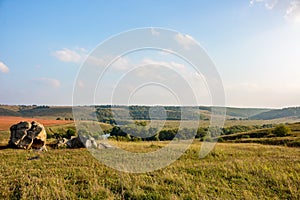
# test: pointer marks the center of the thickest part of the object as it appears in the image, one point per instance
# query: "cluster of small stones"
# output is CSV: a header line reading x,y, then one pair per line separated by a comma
x,y
81,142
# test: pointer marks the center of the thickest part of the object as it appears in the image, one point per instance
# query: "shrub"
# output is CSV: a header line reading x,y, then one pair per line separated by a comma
x,y
245,136
70,133
167,134
141,123
201,132
281,130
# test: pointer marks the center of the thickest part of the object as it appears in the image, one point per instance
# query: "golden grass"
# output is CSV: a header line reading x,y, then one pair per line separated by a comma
x,y
231,171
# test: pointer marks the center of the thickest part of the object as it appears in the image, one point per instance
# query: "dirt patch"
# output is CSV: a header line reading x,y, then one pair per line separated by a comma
x,y
7,121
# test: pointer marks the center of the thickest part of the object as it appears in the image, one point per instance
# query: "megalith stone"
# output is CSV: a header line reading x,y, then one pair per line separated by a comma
x,y
26,135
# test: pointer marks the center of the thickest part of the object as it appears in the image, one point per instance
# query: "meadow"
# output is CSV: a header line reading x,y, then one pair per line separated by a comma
x,y
231,171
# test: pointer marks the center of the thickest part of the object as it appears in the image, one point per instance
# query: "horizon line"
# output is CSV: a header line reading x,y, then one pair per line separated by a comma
x,y
226,106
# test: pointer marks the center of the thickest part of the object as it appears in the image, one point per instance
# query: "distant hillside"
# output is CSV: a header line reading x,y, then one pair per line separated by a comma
x,y
237,112
36,111
8,112
47,111
245,112
107,112
287,135
278,113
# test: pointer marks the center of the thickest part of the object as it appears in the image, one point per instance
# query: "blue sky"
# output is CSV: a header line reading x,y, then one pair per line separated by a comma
x,y
254,44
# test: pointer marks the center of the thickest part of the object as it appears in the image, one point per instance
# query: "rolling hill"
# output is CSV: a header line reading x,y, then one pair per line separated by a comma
x,y
105,112
8,112
267,136
278,113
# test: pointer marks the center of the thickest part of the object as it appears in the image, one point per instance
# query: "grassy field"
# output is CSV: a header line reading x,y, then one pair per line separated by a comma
x,y
266,136
231,171
169,124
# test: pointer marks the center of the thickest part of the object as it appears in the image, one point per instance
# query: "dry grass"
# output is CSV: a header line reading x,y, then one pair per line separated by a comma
x,y
231,171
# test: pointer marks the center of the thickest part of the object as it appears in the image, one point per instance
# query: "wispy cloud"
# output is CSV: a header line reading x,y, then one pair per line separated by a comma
x,y
68,55
269,4
291,8
122,64
170,64
3,68
49,82
119,63
154,32
293,12
185,40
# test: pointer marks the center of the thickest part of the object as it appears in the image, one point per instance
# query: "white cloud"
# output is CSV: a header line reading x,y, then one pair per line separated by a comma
x,y
293,12
93,60
185,40
121,64
154,32
3,68
291,8
49,82
269,4
180,68
253,1
67,55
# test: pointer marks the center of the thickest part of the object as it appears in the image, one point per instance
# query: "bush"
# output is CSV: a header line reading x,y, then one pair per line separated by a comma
x,y
70,133
245,136
201,132
167,134
281,131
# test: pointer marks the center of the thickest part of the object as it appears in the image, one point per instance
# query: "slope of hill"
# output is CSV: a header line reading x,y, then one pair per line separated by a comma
x,y
278,113
237,112
107,112
268,136
8,112
36,111
245,112
47,111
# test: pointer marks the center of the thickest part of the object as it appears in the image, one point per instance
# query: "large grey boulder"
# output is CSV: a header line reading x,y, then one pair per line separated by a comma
x,y
26,135
75,142
81,142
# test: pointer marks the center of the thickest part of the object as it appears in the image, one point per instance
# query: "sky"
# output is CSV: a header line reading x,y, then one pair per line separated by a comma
x,y
255,46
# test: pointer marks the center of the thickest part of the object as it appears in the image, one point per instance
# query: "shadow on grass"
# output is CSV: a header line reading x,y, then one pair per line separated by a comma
x,y
4,146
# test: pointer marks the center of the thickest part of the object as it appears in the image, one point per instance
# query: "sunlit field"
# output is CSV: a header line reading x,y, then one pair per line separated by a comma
x,y
243,171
